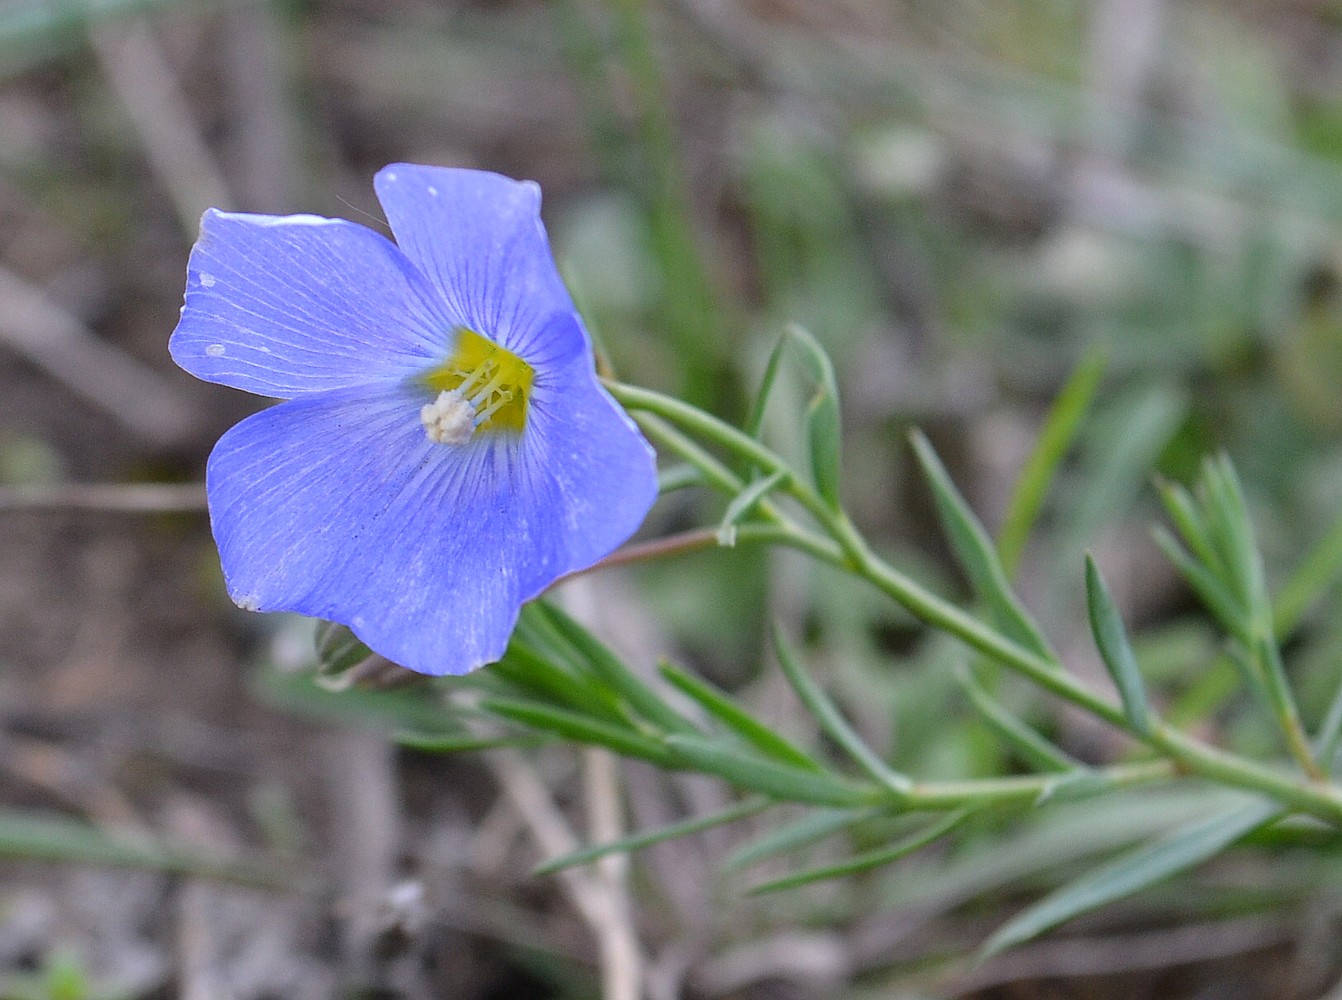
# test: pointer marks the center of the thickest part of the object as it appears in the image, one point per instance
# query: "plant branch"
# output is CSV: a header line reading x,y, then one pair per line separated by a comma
x,y
1188,754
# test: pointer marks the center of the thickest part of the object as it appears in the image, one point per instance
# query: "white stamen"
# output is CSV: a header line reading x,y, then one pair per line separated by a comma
x,y
489,388
474,377
500,401
449,419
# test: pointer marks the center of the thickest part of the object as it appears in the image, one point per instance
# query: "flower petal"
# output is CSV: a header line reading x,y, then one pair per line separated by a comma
x,y
602,471
478,237
337,506
286,305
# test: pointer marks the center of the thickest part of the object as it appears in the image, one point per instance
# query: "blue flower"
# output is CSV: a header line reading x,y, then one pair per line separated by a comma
x,y
444,451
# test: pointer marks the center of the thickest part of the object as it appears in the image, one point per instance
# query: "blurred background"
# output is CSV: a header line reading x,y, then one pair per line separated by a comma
x,y
963,200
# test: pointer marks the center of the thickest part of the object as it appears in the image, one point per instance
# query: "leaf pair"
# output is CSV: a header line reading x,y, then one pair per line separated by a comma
x,y
821,420
761,760
977,555
1140,868
580,690
1217,553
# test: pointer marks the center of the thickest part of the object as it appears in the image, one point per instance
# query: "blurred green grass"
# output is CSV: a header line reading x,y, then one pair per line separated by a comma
x,y
961,200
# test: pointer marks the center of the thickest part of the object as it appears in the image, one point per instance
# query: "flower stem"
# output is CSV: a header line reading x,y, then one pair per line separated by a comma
x,y
709,427
851,551
707,538
1027,789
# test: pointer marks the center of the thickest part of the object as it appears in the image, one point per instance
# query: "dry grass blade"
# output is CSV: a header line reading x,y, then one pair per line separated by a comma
x,y
106,497
54,340
145,82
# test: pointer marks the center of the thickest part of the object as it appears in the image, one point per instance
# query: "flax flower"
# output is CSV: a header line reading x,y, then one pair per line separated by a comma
x,y
443,452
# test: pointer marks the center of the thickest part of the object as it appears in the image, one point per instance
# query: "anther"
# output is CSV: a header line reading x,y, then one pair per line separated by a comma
x,y
449,419
487,389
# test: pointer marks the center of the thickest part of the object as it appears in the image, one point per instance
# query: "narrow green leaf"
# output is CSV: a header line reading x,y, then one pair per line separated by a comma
x,y
823,430
778,781
338,649
1320,570
1234,537
638,694
26,837
464,743
1037,847
1060,428
1032,747
754,424
833,722
738,720
744,502
537,632
1330,731
803,832
680,476
580,728
868,859
1218,599
637,841
1136,870
1278,687
975,552
1111,638
541,675
419,708
1183,511
823,436
1217,513
547,659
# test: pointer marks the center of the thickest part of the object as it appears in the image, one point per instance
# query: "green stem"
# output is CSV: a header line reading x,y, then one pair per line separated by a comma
x,y
1284,707
1318,798
714,472
778,529
696,421
707,538
1027,789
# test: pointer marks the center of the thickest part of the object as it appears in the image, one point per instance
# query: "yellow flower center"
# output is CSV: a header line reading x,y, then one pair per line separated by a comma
x,y
482,387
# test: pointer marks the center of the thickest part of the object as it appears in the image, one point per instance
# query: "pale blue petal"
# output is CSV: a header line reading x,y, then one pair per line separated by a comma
x,y
600,470
286,305
478,237
337,506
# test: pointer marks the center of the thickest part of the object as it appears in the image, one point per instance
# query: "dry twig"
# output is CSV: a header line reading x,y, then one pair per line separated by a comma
x,y
601,905
104,497
1106,956
54,340
134,64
